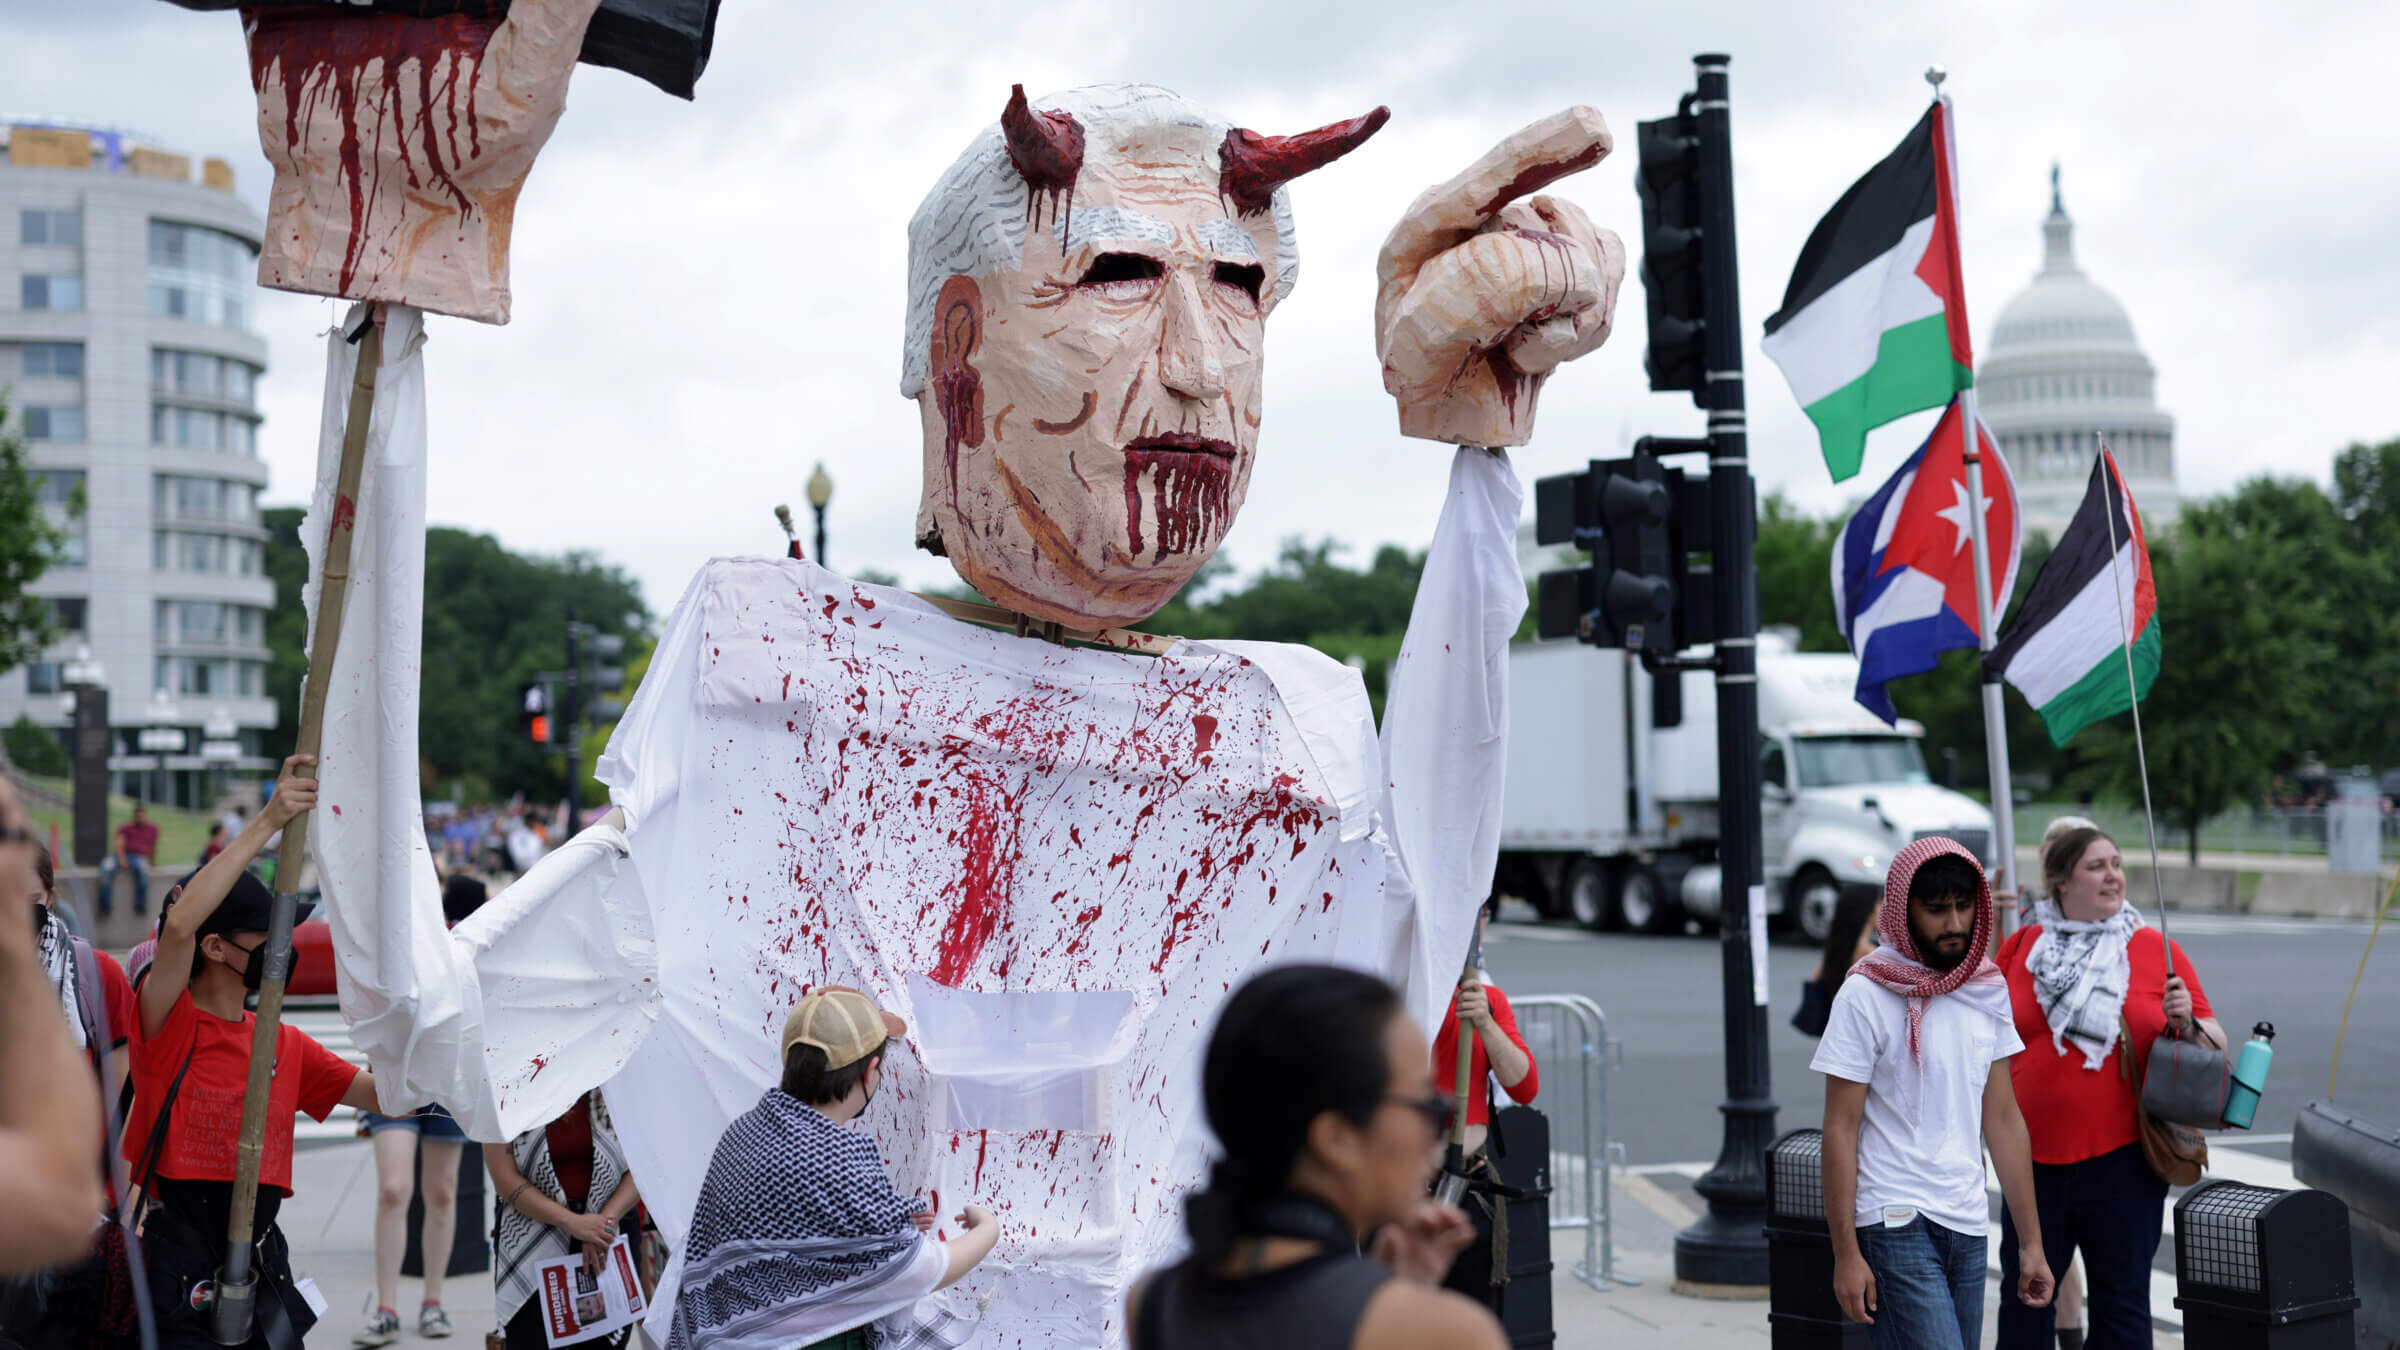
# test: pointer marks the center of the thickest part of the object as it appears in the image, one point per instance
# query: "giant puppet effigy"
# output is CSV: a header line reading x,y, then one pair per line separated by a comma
x,y
1051,857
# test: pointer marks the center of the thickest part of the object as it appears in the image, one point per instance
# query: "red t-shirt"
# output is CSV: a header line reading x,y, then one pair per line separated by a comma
x,y
570,1141
205,1122
117,992
138,840
1445,1058
2074,1112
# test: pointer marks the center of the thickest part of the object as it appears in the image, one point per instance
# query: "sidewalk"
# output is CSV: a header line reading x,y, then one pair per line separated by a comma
x,y
330,1224
1651,1314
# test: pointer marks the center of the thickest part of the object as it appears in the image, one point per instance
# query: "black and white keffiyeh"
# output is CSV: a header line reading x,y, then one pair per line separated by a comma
x,y
523,1243
58,960
2080,974
795,1211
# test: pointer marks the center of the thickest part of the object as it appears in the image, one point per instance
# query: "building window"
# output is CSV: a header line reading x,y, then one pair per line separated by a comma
x,y
248,673
68,613
184,497
202,375
43,677
53,423
53,358
199,273
50,292
49,227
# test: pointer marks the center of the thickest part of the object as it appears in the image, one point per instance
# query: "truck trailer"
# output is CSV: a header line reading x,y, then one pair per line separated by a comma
x,y
1611,818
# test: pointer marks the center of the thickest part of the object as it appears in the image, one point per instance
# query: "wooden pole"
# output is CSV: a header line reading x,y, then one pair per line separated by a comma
x,y
238,1289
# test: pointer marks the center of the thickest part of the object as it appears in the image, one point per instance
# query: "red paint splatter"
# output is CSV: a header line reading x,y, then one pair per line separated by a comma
x,y
983,1141
1191,486
1541,176
540,1062
323,57
1204,730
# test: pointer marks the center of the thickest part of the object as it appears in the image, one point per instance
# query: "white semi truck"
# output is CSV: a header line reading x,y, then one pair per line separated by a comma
x,y
1612,819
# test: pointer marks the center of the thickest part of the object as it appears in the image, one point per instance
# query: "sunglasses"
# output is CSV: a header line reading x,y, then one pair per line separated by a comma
x,y
1438,1111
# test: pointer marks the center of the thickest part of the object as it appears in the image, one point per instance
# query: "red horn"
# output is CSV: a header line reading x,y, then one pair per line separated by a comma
x,y
1255,165
1047,148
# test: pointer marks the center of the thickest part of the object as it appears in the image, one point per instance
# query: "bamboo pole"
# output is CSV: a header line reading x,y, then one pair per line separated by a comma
x,y
237,1291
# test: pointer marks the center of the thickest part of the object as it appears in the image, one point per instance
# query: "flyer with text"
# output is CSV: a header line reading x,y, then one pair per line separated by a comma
x,y
579,1303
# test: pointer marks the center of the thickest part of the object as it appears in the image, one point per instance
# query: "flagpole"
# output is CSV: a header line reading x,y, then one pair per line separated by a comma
x,y
1987,629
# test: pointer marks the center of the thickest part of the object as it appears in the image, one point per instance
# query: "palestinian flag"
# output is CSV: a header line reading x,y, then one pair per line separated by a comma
x,y
2065,652
1874,324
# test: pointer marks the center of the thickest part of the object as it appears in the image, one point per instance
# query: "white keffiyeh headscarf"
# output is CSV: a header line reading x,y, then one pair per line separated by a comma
x,y
2080,974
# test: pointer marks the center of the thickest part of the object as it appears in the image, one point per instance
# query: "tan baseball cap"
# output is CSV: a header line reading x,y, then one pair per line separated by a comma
x,y
842,1022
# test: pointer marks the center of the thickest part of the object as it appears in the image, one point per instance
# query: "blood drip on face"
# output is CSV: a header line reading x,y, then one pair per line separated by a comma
x,y
326,58
1191,489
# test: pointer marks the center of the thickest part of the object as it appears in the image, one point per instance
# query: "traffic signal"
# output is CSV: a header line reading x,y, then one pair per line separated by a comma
x,y
1621,511
534,705
1668,182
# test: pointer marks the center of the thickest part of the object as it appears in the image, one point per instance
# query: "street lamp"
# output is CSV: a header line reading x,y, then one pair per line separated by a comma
x,y
163,737
820,494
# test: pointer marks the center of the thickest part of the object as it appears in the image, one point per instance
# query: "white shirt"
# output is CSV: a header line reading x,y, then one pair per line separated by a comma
x,y
1920,1142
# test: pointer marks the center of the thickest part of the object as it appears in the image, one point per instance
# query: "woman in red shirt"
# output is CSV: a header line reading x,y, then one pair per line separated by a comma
x,y
1500,1054
2087,977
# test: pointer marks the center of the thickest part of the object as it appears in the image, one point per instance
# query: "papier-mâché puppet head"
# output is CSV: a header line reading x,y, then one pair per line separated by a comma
x,y
1089,286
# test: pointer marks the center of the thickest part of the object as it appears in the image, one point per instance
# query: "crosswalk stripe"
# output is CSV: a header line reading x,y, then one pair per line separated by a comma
x,y
327,1028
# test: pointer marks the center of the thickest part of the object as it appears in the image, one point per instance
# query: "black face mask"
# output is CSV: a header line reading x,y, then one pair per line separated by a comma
x,y
254,972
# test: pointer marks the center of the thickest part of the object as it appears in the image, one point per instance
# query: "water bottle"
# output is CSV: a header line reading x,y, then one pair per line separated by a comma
x,y
2250,1076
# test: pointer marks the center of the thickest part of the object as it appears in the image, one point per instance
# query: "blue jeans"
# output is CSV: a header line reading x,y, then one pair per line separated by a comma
x,y
134,863
2113,1209
1928,1286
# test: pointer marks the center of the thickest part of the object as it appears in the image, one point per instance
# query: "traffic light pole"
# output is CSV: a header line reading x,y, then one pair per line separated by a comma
x,y
1727,1247
570,725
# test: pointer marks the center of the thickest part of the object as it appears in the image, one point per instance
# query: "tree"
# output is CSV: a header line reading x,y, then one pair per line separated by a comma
x,y
29,543
34,749
2247,650
493,620
1795,573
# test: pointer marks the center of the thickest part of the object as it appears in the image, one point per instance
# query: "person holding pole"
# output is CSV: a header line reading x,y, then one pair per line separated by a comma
x,y
191,1062
1494,1049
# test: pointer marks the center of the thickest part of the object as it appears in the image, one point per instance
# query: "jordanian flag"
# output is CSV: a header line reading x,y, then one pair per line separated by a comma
x,y
1874,324
2093,599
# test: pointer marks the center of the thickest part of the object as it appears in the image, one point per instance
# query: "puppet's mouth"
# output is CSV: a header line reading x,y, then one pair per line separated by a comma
x,y
1177,443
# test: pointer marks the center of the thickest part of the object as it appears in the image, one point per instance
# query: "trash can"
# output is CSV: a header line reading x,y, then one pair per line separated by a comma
x,y
1802,1313
470,1248
2262,1269
2357,1161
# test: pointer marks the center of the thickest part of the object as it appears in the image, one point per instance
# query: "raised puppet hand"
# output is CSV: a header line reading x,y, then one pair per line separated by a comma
x,y
400,144
1480,296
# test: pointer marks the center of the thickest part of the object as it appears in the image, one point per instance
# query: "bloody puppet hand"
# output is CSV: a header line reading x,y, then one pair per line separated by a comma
x,y
1480,296
399,146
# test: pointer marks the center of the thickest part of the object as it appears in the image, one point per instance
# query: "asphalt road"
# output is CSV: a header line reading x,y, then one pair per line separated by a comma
x,y
1663,999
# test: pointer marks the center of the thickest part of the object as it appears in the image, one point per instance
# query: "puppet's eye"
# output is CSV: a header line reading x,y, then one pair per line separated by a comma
x,y
1248,278
1111,267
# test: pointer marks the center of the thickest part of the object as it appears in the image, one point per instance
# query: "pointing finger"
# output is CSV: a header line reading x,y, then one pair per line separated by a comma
x,y
1563,143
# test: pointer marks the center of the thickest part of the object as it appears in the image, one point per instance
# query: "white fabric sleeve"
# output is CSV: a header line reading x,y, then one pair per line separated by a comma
x,y
1854,1035
544,992
2008,1042
1445,721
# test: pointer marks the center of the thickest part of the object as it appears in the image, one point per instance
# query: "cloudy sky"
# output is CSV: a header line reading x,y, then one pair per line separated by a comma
x,y
709,295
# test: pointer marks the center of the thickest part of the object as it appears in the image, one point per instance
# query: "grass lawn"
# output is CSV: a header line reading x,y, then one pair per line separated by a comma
x,y
181,834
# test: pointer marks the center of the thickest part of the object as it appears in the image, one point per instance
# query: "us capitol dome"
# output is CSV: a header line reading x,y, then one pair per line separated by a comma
x,y
2063,369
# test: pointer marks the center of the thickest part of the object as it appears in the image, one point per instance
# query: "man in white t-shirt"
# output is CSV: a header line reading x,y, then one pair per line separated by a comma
x,y
1915,1058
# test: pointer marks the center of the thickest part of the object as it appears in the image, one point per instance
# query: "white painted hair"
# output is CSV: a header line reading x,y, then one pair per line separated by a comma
x,y
973,221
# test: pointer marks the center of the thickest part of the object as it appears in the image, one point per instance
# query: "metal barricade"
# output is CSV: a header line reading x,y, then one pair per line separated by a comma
x,y
1568,1037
